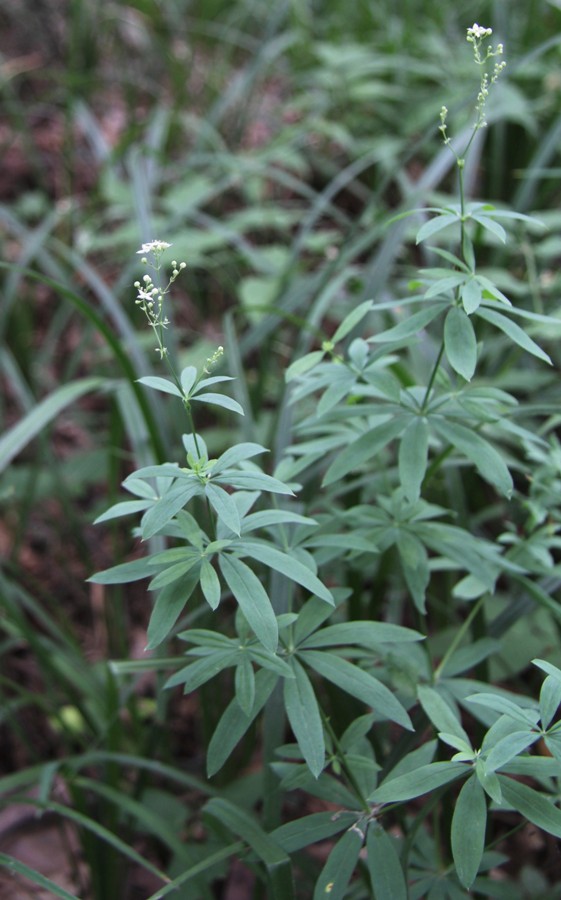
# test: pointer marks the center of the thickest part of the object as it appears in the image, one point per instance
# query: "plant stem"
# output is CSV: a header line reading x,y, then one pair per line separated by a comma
x,y
432,377
459,637
344,764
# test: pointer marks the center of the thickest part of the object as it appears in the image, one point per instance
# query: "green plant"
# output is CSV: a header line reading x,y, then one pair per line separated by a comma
x,y
387,577
393,453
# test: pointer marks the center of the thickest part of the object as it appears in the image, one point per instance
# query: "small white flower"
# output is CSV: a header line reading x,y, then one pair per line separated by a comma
x,y
477,31
144,295
153,247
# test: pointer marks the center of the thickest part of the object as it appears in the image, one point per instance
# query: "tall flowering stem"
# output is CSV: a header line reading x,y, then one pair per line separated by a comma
x,y
483,52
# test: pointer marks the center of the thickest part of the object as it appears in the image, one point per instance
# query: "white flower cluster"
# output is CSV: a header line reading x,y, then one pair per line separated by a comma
x,y
477,32
156,247
149,297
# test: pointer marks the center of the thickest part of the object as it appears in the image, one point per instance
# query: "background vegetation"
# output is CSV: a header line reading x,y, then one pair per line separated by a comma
x,y
274,145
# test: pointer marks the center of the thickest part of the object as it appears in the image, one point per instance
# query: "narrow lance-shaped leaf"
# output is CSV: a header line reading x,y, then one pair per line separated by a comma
x,y
460,343
304,717
166,507
468,831
220,400
210,583
418,782
537,808
487,460
252,599
234,455
440,713
169,604
415,565
310,829
15,866
364,448
410,326
245,684
274,858
514,332
16,438
160,384
384,867
224,506
359,684
124,573
413,450
202,670
335,876
287,565
351,321
234,722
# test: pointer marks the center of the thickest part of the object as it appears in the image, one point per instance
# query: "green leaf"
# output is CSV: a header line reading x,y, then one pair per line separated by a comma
x,y
304,364
506,707
535,807
413,451
287,565
160,384
410,326
242,824
304,717
168,607
245,684
15,866
460,342
514,332
364,448
441,713
415,565
174,572
271,661
252,599
220,400
384,867
253,481
434,225
351,321
310,829
550,699
471,295
509,747
267,517
16,438
234,455
489,781
165,508
549,668
188,378
468,831
210,583
418,782
486,459
364,633
234,722
125,572
224,506
335,876
202,670
359,684
123,509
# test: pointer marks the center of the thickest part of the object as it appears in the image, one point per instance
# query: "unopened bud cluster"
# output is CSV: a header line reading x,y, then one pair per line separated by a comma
x,y
212,360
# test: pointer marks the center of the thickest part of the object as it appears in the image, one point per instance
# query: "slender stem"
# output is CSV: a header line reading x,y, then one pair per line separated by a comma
x,y
459,637
432,377
344,764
